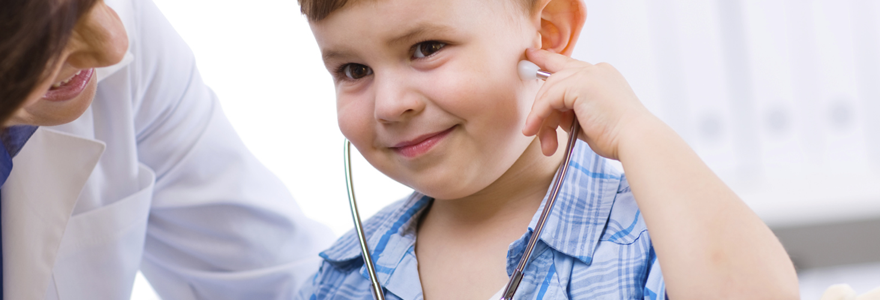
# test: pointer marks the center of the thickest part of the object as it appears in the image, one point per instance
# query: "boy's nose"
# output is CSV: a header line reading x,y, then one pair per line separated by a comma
x,y
395,100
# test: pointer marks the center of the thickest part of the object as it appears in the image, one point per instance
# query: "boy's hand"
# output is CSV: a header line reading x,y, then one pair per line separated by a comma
x,y
605,105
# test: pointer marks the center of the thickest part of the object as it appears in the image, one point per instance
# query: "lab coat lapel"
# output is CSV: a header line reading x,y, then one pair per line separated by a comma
x,y
37,200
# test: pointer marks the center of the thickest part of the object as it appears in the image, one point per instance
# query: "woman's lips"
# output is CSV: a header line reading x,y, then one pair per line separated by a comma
x,y
70,88
421,145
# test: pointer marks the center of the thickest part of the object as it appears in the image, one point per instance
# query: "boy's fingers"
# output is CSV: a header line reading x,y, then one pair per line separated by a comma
x,y
532,125
566,119
547,134
548,101
553,97
548,61
549,141
536,118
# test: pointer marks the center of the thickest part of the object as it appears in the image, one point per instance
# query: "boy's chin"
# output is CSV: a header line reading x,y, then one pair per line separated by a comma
x,y
444,195
440,191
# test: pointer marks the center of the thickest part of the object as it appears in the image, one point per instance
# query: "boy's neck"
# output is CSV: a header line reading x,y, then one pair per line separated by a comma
x,y
514,197
474,233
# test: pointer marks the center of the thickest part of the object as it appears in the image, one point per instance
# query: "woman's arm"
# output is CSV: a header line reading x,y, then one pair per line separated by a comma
x,y
709,243
221,225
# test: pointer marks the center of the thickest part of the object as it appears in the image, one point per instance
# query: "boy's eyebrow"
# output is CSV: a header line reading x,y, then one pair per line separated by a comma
x,y
330,54
424,29
421,30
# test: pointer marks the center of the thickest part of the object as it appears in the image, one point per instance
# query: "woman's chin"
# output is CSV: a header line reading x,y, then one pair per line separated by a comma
x,y
52,112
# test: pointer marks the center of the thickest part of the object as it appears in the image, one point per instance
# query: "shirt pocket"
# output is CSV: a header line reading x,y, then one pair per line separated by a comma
x,y
101,250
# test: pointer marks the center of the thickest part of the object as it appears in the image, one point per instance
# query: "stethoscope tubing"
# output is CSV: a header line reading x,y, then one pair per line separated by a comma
x,y
356,217
561,172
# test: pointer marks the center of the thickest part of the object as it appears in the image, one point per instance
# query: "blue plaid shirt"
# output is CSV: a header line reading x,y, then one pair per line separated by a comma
x,y
594,246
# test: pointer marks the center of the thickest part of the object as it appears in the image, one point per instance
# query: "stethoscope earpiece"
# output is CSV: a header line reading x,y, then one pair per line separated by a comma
x,y
530,71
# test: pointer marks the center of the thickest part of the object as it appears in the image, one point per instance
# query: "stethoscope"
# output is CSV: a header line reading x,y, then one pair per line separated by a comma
x,y
527,71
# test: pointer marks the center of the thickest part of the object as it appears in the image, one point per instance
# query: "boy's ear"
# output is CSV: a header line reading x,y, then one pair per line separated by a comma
x,y
561,24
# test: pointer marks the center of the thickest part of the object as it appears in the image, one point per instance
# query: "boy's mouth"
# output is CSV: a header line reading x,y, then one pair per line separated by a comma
x,y
421,144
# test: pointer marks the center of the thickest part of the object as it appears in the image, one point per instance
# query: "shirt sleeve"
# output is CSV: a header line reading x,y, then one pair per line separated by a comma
x,y
221,225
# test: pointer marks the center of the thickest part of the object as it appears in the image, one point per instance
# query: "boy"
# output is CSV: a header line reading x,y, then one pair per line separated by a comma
x,y
428,92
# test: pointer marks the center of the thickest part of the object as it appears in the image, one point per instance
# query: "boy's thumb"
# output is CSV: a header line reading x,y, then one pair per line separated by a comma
x,y
546,60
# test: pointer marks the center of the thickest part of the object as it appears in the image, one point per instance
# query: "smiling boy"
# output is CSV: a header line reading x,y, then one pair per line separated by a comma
x,y
428,92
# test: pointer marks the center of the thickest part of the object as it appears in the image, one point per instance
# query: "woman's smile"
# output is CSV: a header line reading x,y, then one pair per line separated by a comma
x,y
71,87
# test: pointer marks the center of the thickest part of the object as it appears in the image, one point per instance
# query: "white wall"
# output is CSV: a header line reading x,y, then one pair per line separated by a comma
x,y
263,63
779,97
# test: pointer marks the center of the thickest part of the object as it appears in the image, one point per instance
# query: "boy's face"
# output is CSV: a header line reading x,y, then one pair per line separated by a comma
x,y
428,91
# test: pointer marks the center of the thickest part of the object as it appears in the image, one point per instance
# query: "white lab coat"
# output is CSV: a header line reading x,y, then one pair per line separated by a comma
x,y
151,177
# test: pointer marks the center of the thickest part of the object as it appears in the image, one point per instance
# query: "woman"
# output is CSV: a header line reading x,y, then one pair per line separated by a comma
x,y
118,158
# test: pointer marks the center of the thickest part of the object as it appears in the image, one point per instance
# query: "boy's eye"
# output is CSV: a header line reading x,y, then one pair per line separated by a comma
x,y
356,71
425,49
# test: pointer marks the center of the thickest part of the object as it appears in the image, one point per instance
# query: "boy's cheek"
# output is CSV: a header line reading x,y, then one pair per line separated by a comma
x,y
354,122
459,93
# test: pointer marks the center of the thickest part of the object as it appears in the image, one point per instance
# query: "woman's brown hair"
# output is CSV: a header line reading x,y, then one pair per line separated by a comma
x,y
33,33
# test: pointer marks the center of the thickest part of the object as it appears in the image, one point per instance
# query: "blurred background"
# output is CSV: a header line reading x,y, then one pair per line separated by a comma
x,y
780,97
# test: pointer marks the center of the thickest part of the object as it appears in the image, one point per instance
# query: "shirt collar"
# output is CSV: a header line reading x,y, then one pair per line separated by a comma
x,y
582,208
390,235
12,139
574,227
396,220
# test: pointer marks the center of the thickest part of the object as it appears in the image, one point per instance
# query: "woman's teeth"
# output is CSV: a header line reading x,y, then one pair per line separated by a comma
x,y
59,84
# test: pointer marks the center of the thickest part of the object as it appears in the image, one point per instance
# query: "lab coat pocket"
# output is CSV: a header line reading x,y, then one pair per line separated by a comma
x,y
101,249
